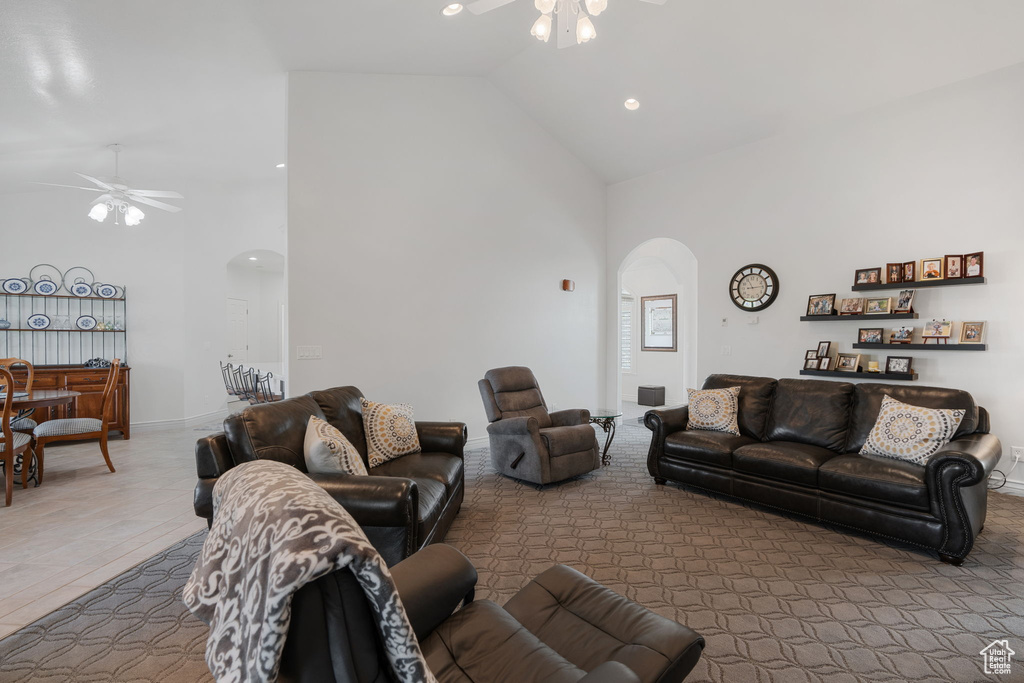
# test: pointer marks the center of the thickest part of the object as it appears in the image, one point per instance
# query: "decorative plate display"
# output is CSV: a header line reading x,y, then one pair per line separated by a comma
x,y
14,286
81,289
106,291
86,322
38,321
45,287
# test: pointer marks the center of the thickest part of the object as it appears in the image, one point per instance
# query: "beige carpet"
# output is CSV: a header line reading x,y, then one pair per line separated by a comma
x,y
778,599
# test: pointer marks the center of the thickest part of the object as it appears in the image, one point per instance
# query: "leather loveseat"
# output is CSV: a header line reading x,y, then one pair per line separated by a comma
x,y
798,451
404,504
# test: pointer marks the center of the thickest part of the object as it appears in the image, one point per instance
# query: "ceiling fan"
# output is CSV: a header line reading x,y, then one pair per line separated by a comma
x,y
574,24
119,198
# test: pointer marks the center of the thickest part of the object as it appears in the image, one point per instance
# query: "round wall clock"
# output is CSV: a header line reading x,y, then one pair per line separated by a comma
x,y
754,287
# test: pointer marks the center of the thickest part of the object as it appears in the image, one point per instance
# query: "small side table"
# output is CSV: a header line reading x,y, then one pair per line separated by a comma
x,y
605,419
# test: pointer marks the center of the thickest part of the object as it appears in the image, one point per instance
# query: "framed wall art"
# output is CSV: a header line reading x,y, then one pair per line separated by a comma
x,y
658,328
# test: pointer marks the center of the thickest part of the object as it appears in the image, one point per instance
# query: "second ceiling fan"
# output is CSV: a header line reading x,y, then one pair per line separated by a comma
x,y
574,24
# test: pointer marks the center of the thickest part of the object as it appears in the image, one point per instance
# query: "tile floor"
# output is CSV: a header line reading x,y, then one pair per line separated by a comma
x,y
84,525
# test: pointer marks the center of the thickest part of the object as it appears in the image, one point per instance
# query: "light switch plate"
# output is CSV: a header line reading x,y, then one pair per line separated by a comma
x,y
309,352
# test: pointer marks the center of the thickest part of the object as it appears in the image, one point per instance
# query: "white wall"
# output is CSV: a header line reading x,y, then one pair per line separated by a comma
x,y
663,368
430,225
938,174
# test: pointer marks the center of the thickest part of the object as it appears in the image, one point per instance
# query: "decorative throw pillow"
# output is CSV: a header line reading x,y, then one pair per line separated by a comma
x,y
714,410
328,450
910,433
390,431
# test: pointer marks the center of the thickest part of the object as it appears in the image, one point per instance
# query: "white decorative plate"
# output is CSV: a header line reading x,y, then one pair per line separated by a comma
x,y
45,287
81,289
86,322
38,321
14,286
106,291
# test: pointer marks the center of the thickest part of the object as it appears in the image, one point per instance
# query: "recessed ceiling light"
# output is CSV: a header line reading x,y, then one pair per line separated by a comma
x,y
632,104
279,166
452,9
252,258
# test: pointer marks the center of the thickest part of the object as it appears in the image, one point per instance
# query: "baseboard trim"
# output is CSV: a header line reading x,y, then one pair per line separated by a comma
x,y
193,421
1014,488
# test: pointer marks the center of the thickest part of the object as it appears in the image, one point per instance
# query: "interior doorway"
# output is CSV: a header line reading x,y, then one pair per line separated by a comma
x,y
256,311
238,330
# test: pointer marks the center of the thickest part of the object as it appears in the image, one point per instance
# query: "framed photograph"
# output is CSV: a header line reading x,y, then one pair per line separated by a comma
x,y
851,307
894,272
870,335
954,267
847,362
910,271
821,304
931,269
898,364
658,323
867,276
879,306
811,364
972,333
901,335
825,363
823,349
937,329
905,301
811,354
974,264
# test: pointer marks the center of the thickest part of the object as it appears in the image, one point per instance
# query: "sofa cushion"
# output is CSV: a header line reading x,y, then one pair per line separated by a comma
x,y
571,439
517,394
712,448
390,431
811,411
785,460
342,409
328,450
754,402
881,479
714,410
271,430
443,468
867,404
911,433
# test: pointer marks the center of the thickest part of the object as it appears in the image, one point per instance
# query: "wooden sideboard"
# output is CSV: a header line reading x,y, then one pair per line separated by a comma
x,y
89,382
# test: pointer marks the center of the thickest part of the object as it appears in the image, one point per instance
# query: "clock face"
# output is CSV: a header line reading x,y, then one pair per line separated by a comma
x,y
754,287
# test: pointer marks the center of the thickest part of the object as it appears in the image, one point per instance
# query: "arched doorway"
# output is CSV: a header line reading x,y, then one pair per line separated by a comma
x,y
255,311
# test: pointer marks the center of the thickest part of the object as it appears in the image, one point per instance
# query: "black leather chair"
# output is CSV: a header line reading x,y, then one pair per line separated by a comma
x,y
561,628
528,442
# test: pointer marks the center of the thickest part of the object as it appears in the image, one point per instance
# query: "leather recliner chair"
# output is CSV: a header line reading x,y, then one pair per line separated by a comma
x,y
528,442
561,628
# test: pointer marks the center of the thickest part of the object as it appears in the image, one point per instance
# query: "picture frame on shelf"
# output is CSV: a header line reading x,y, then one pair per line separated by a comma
x,y
821,304
878,306
867,276
972,332
894,273
899,365
910,271
931,269
658,329
811,354
825,363
810,364
937,329
954,266
823,349
904,301
870,335
974,264
901,335
851,307
847,362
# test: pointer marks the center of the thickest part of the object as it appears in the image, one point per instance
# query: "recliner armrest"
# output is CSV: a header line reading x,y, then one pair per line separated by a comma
x,y
443,437
373,501
569,418
432,583
515,426
611,672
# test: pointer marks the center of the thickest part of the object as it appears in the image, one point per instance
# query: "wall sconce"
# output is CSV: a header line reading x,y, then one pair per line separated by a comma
x,y
568,285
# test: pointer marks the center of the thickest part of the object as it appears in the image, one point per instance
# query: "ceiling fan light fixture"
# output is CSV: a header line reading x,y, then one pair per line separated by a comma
x,y
133,215
595,7
585,30
544,6
452,9
542,28
98,212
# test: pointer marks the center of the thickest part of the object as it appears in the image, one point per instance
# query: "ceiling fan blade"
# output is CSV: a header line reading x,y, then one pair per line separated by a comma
x,y
566,29
154,193
654,2
73,187
481,6
99,182
159,205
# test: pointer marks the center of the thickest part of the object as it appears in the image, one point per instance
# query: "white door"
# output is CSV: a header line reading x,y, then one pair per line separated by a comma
x,y
238,330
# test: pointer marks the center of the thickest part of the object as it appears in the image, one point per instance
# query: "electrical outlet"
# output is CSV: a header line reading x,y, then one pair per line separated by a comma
x,y
1018,453
726,350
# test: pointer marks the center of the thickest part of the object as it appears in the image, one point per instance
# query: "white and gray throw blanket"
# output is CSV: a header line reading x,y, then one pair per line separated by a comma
x,y
274,531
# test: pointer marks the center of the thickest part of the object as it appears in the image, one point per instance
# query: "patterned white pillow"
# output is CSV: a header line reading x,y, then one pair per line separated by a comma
x,y
714,410
910,433
390,431
327,450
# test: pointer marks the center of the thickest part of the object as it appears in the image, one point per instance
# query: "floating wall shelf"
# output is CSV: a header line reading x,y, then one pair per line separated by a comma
x,y
922,283
923,347
840,318
897,376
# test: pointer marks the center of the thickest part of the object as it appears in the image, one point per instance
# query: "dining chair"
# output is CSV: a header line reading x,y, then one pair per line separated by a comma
x,y
225,373
22,422
81,428
12,443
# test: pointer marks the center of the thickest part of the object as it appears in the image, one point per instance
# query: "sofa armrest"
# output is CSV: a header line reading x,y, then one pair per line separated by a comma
x,y
611,672
431,583
569,418
373,501
668,421
202,498
976,454
213,457
442,437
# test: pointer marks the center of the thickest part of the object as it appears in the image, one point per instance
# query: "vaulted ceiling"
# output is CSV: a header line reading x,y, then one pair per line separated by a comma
x,y
197,89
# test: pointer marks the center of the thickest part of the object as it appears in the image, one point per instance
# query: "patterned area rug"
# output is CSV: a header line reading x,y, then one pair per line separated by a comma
x,y
779,599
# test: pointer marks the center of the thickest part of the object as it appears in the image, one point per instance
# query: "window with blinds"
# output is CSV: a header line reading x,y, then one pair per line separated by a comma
x,y
626,332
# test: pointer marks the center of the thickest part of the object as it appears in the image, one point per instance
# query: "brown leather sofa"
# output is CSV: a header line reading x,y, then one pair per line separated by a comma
x,y
404,504
798,451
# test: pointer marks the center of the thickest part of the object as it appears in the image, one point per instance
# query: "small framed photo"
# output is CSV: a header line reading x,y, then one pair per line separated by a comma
x,y
811,364
899,365
825,363
901,335
847,362
937,329
974,264
931,269
972,333
954,267
905,301
870,335
910,271
894,272
851,307
812,354
821,304
823,349
868,276
879,306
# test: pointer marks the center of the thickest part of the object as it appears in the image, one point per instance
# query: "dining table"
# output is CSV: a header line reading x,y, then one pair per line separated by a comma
x,y
61,399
